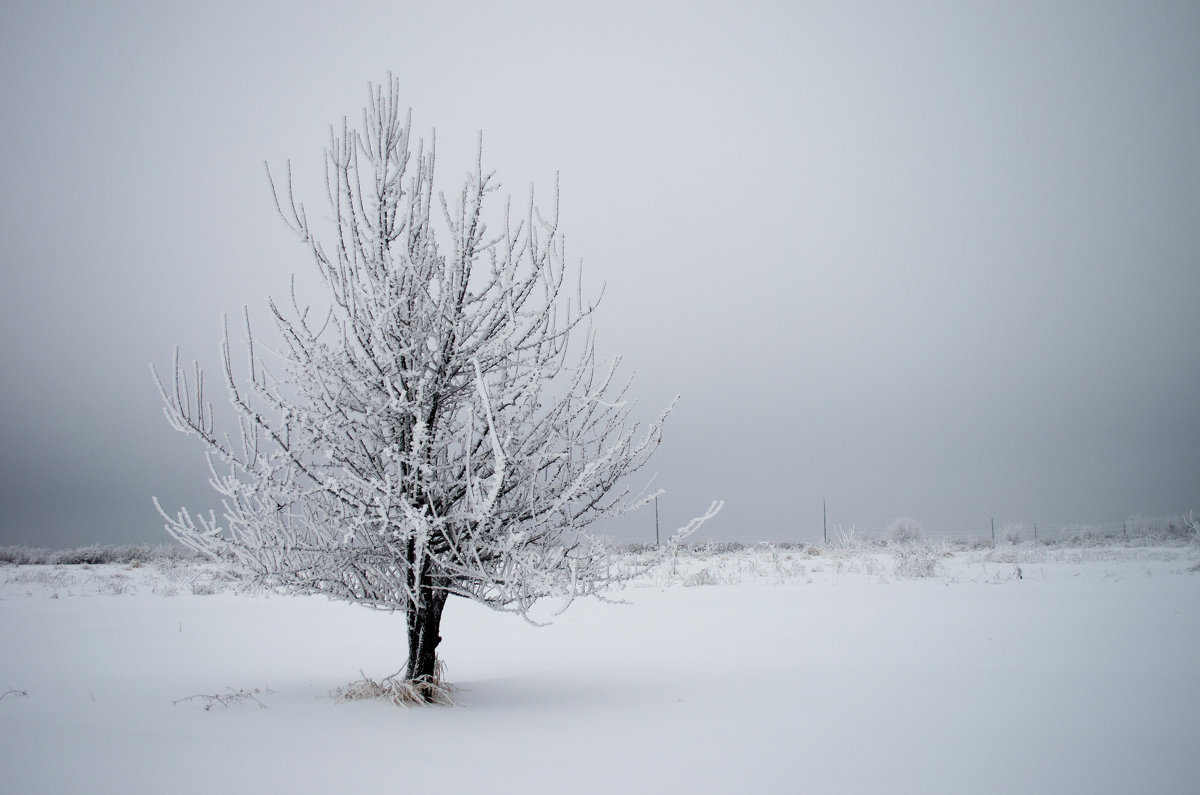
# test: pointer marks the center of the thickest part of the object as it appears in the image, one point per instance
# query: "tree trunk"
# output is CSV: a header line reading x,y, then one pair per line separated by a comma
x,y
424,623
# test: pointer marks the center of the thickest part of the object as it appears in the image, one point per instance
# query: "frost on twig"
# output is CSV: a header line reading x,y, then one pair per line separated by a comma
x,y
684,533
229,699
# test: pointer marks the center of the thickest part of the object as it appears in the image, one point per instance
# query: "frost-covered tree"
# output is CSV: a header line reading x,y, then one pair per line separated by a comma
x,y
445,428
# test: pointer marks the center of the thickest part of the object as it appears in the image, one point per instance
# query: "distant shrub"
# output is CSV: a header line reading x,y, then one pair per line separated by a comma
x,y
1080,533
1011,532
82,556
975,543
904,530
20,556
1164,528
718,547
97,555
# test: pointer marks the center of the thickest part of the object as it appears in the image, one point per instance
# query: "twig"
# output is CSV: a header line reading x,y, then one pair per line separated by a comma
x,y
228,699
12,692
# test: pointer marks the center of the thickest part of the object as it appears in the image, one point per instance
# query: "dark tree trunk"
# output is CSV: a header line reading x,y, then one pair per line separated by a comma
x,y
424,623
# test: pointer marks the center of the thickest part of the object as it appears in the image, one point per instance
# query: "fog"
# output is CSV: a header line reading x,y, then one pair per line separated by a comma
x,y
938,260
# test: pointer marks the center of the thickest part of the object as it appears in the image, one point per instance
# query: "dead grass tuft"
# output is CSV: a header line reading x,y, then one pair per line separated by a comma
x,y
422,692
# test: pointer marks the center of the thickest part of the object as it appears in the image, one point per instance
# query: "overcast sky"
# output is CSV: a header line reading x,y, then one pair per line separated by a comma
x,y
938,260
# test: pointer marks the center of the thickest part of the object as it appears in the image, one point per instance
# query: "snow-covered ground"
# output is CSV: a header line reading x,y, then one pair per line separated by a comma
x,y
1015,669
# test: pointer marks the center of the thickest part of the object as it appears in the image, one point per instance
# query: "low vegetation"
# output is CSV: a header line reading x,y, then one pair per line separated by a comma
x,y
895,555
124,554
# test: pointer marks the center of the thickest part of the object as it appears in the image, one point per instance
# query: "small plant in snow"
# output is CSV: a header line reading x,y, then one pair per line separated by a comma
x,y
904,530
703,577
846,539
682,534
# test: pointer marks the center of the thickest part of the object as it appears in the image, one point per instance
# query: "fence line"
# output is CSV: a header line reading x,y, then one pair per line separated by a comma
x,y
1002,532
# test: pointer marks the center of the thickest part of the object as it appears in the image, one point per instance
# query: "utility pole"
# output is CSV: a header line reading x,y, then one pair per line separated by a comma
x,y
656,520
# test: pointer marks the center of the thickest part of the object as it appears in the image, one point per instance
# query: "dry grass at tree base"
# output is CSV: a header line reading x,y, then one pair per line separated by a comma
x,y
435,691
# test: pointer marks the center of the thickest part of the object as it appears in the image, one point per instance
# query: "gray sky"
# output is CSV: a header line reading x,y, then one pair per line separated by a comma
x,y
927,259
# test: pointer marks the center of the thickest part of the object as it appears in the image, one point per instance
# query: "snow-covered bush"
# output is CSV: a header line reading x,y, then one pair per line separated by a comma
x,y
20,556
904,529
93,555
720,547
915,561
705,576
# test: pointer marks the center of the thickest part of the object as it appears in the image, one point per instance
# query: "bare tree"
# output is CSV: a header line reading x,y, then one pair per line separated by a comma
x,y
445,428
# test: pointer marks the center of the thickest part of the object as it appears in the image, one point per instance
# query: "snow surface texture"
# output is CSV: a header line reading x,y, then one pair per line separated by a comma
x,y
850,668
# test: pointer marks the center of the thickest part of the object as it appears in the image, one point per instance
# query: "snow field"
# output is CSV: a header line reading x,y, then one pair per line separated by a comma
x,y
779,671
